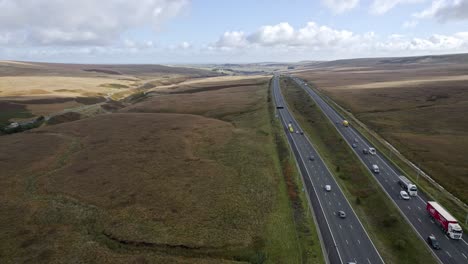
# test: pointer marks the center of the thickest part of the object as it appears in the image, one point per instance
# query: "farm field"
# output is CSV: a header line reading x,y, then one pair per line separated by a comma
x,y
418,106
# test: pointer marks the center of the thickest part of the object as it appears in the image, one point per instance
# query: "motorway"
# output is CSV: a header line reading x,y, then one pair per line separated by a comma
x,y
344,240
414,210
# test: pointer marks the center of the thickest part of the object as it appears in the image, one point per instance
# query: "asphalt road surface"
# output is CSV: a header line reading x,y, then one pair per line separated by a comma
x,y
414,210
344,239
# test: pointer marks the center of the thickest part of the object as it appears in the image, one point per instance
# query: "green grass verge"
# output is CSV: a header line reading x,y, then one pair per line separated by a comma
x,y
456,208
290,235
378,214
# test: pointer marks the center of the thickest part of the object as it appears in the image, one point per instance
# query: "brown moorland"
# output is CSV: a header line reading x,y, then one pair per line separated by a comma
x,y
43,88
200,183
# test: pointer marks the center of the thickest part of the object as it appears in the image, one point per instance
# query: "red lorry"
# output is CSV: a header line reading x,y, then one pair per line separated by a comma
x,y
445,220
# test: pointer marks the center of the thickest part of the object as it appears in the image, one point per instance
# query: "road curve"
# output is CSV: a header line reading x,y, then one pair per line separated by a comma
x,y
345,240
413,210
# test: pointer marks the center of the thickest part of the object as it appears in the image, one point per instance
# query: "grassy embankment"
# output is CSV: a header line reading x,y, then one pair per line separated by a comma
x,y
454,206
379,215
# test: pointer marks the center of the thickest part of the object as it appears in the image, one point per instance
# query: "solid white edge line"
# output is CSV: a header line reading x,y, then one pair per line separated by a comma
x,y
333,178
385,191
324,247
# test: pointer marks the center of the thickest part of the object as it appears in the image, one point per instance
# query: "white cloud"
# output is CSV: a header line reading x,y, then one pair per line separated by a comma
x,y
185,45
380,7
273,35
283,34
340,6
445,10
85,22
232,39
314,39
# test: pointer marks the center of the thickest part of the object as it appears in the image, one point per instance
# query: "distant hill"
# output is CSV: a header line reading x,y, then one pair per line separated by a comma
x,y
16,68
396,61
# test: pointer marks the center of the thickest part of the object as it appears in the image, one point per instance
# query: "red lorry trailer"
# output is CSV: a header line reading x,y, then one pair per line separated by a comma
x,y
445,220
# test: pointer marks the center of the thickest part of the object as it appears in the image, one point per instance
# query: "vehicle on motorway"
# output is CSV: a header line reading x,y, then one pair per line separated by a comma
x,y
327,188
408,186
297,131
345,123
354,145
375,168
311,158
341,214
372,151
433,242
356,140
302,132
444,219
404,195
365,151
290,127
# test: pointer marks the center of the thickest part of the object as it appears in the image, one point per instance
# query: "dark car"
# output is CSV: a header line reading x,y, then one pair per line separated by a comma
x,y
365,151
354,145
302,132
311,158
433,242
341,214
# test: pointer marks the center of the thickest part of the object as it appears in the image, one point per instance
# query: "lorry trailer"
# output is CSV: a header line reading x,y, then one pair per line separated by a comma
x,y
444,219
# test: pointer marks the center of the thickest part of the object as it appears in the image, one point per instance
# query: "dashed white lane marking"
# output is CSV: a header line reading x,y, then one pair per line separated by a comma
x,y
329,203
464,241
419,220
419,208
464,256
448,253
351,226
369,261
446,237
347,242
359,241
409,207
432,222
340,226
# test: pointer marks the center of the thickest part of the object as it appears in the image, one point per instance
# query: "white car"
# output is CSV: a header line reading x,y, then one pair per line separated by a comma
x,y
327,188
404,195
372,151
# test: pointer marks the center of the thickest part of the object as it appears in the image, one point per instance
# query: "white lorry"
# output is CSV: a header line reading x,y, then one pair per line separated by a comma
x,y
408,186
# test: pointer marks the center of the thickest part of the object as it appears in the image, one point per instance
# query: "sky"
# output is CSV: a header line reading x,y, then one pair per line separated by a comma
x,y
240,31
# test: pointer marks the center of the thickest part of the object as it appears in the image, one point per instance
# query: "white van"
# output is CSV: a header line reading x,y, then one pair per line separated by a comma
x,y
375,168
372,151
